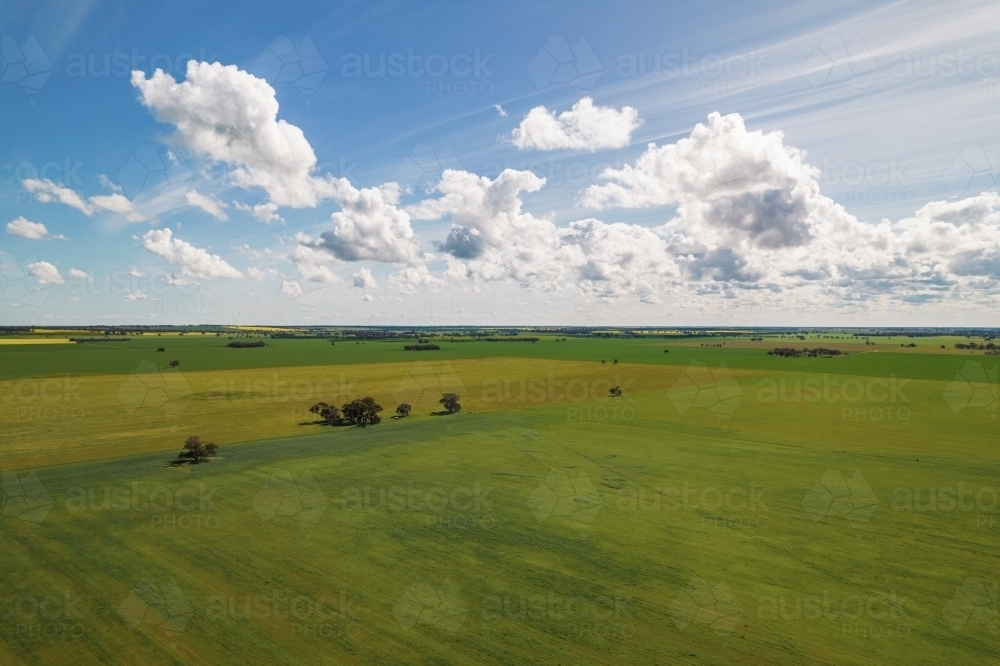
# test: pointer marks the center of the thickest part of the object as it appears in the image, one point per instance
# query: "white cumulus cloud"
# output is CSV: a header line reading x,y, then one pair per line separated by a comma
x,y
193,262
20,226
411,278
48,192
207,203
364,279
370,227
583,127
229,115
265,212
45,272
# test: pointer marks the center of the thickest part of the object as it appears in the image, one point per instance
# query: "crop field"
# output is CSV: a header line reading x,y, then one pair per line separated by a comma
x,y
727,506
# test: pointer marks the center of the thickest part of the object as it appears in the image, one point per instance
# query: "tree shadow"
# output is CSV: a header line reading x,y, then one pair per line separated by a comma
x,y
183,461
444,413
325,423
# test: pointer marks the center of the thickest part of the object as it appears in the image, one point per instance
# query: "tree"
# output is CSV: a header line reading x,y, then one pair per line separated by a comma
x,y
615,391
174,364
362,412
403,410
197,451
450,402
160,349
615,363
328,413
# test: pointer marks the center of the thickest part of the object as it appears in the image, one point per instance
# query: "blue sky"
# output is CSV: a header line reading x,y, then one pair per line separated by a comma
x,y
874,205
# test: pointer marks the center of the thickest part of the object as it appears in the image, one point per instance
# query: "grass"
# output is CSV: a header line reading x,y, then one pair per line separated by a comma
x,y
605,531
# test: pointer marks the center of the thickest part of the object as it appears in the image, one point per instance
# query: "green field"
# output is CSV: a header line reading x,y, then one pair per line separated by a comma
x,y
730,507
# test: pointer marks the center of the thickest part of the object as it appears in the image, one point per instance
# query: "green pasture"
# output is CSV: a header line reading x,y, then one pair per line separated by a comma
x,y
730,507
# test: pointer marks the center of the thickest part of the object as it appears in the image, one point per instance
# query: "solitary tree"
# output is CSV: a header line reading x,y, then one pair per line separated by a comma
x,y
615,391
174,364
450,402
362,412
197,451
328,413
160,349
403,410
615,363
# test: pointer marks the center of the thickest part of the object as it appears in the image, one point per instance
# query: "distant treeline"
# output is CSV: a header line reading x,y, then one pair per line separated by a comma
x,y
82,340
239,344
421,347
297,336
378,335
792,352
511,339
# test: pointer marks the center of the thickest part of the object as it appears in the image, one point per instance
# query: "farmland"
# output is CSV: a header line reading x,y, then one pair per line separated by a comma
x,y
728,507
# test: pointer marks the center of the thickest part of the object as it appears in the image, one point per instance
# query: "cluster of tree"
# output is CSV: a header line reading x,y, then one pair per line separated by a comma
x,y
912,344
972,345
364,411
174,364
240,344
450,402
80,341
196,451
300,336
615,391
792,352
421,347
511,339
360,412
